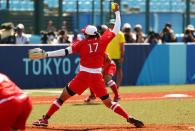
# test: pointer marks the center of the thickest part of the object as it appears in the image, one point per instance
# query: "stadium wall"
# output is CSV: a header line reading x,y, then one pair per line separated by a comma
x,y
143,65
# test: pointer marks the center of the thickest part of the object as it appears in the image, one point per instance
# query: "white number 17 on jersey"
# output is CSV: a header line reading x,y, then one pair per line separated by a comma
x,y
93,47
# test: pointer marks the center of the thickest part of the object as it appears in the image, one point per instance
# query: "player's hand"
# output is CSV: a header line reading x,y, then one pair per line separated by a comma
x,y
36,53
115,7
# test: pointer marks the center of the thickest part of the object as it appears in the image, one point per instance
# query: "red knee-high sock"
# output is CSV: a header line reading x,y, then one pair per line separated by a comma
x,y
113,86
54,107
119,110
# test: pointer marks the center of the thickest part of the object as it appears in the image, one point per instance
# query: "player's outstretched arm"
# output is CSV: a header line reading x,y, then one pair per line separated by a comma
x,y
61,52
115,8
38,53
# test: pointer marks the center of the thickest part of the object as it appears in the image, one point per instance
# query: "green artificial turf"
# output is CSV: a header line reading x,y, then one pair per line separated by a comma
x,y
178,111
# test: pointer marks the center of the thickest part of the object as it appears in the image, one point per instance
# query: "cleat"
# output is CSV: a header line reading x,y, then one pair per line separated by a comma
x,y
135,122
89,99
117,99
41,122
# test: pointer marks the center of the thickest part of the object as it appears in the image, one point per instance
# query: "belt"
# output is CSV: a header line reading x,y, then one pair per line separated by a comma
x,y
91,70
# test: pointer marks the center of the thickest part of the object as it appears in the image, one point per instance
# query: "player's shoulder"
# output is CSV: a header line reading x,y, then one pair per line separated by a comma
x,y
108,34
80,42
108,31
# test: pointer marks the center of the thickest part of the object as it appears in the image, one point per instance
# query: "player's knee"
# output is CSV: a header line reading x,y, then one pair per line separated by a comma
x,y
104,97
106,100
70,92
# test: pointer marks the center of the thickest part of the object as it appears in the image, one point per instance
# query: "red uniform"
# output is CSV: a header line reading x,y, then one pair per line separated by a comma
x,y
91,53
109,68
15,106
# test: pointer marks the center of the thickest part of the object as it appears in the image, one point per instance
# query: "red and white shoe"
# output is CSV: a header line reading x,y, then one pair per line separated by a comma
x,y
89,99
41,122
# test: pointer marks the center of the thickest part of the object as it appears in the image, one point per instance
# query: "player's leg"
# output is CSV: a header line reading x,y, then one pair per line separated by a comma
x,y
91,97
100,90
55,106
117,108
75,86
111,83
65,95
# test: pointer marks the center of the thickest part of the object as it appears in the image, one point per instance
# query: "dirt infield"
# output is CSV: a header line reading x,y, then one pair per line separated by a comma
x,y
124,97
125,127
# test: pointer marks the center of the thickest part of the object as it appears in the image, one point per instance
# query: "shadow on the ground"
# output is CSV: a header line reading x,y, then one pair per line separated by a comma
x,y
84,104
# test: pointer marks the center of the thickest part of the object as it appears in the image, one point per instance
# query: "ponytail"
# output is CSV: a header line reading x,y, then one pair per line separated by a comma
x,y
97,35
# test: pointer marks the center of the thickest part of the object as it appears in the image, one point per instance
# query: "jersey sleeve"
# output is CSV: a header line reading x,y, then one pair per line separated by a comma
x,y
76,47
107,37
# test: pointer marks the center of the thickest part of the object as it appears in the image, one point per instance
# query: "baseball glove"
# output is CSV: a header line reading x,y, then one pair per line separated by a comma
x,y
36,53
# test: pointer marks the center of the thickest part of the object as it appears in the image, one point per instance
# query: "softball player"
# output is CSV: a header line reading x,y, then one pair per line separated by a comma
x,y
15,106
91,51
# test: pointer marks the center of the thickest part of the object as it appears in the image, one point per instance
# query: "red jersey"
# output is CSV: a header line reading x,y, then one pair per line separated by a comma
x,y
7,87
92,51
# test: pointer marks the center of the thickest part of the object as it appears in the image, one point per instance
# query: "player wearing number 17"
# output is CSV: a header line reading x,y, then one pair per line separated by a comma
x,y
92,53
